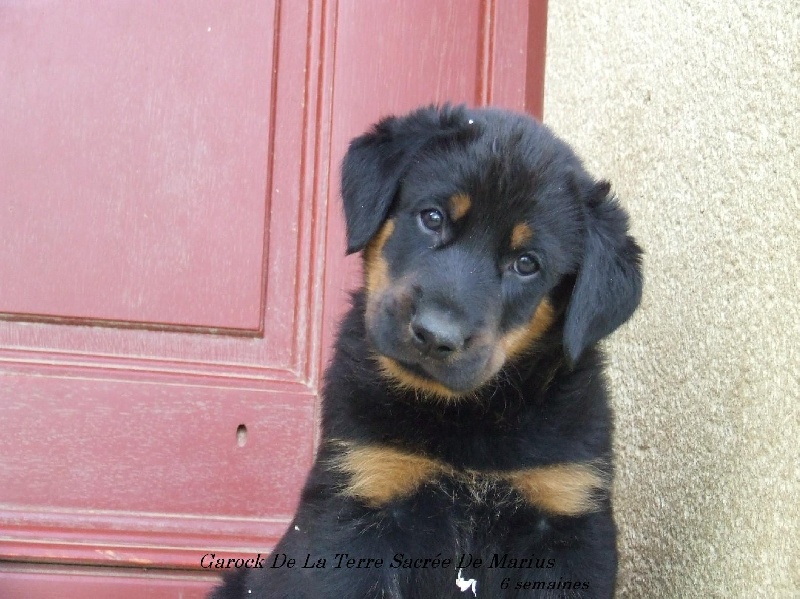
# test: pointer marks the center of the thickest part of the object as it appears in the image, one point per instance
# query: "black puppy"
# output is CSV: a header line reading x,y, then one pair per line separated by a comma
x,y
466,429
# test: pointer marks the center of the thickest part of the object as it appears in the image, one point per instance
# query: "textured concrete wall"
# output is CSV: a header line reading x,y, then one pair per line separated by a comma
x,y
692,110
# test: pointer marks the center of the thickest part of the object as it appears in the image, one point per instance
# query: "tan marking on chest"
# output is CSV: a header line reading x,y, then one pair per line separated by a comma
x,y
561,489
377,475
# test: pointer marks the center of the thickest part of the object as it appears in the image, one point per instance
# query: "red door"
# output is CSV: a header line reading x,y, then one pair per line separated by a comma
x,y
171,259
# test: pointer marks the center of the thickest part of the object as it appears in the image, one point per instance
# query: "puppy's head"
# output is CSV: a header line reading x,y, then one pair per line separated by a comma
x,y
472,223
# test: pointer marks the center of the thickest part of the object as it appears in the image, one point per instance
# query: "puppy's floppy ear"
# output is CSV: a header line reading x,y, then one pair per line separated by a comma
x,y
609,283
376,162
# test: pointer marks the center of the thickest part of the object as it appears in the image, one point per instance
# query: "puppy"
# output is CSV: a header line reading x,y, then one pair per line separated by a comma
x,y
466,427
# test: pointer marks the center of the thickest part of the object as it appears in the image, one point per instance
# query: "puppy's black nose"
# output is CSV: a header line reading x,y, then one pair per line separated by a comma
x,y
436,335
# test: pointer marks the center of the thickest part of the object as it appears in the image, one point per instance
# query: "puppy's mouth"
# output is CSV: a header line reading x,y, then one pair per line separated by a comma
x,y
442,385
459,375
411,368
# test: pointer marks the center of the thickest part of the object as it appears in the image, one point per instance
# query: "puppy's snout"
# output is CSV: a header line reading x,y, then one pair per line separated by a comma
x,y
436,334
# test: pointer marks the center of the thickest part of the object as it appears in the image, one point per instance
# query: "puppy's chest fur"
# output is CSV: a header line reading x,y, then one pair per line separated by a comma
x,y
380,475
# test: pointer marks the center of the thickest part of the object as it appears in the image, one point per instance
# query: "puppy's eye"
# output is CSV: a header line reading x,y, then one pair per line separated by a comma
x,y
431,219
526,265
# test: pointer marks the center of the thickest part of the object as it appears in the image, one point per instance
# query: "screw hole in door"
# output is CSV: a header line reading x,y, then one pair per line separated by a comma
x,y
241,435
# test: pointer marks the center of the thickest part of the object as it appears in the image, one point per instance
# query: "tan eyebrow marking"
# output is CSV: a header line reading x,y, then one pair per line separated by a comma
x,y
459,205
520,235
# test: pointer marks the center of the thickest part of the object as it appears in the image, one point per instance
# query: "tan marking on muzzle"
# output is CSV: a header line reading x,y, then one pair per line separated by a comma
x,y
376,269
518,340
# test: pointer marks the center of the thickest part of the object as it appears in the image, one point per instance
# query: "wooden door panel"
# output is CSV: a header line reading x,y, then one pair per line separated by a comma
x,y
143,473
136,161
202,260
76,423
24,582
124,448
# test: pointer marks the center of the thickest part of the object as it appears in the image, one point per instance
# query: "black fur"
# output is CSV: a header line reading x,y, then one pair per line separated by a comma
x,y
547,404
